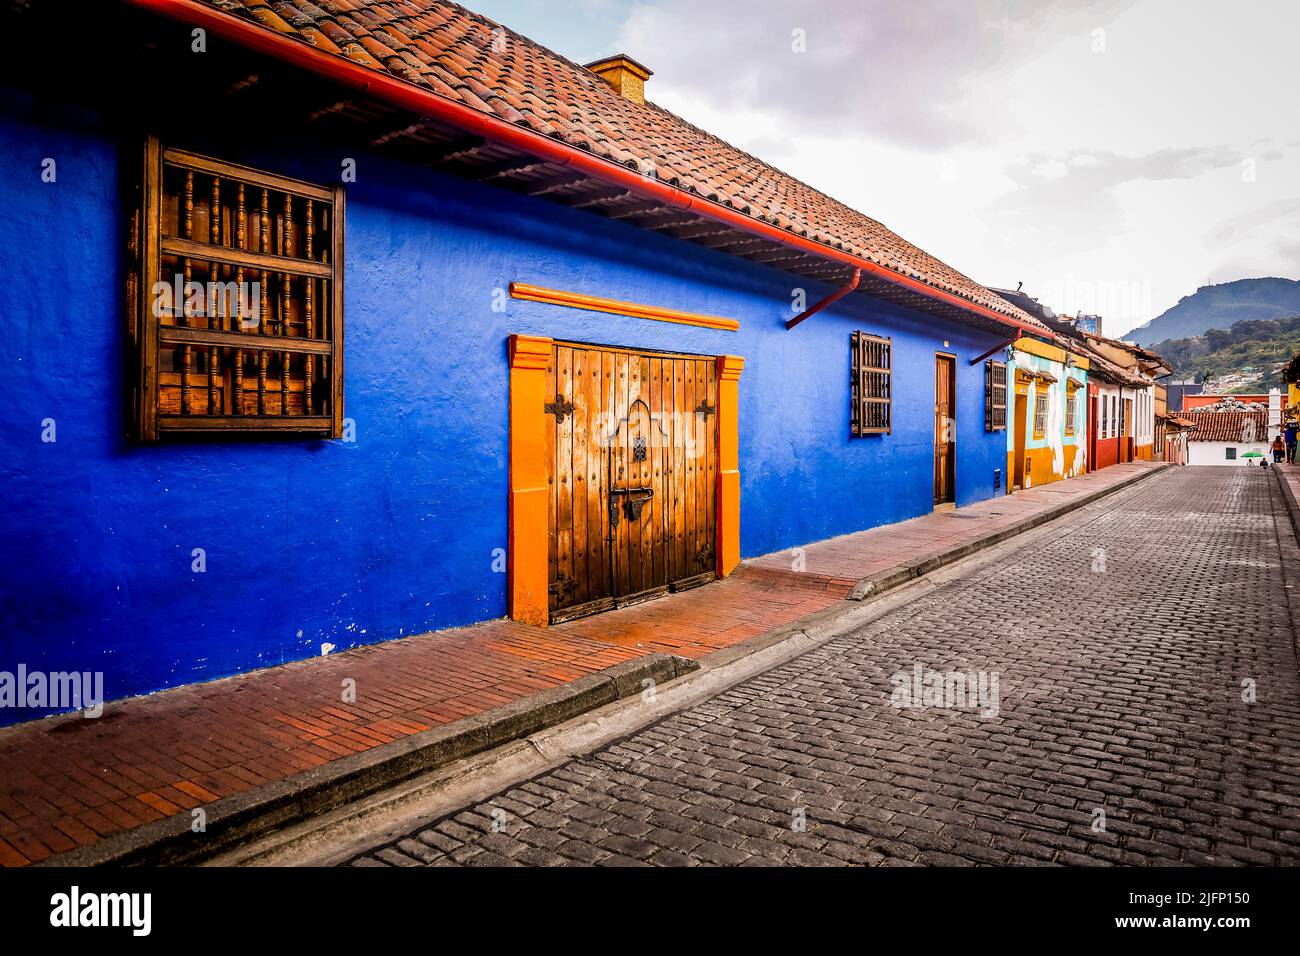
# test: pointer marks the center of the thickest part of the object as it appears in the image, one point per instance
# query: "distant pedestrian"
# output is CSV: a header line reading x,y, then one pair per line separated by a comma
x,y
1291,432
1279,450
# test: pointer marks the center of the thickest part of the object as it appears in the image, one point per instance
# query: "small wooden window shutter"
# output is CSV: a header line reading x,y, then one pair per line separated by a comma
x,y
1040,415
995,396
235,300
1071,405
870,384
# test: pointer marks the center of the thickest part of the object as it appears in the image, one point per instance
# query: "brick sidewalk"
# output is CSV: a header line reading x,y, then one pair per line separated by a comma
x,y
69,782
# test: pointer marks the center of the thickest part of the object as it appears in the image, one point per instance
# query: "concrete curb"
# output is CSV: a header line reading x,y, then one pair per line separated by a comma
x,y
1288,496
243,816
882,581
1289,553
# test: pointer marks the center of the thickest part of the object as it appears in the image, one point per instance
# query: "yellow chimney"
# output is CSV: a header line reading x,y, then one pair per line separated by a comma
x,y
625,74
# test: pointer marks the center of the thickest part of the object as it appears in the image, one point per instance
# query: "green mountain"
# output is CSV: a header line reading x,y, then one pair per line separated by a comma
x,y
1245,358
1221,307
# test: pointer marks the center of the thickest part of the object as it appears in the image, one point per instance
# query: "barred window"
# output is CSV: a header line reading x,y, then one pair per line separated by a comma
x,y
995,396
1071,409
1040,415
871,386
236,304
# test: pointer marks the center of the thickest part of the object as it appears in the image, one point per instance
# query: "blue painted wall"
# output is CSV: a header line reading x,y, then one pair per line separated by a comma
x,y
310,542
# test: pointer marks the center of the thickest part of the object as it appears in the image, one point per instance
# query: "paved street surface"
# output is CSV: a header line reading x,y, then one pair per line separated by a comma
x,y
1122,649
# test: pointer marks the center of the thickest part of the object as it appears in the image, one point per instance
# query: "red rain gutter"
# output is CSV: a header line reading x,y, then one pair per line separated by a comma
x,y
829,300
402,94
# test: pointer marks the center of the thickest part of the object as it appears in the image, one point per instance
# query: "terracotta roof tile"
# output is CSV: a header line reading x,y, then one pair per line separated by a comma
x,y
451,51
1239,426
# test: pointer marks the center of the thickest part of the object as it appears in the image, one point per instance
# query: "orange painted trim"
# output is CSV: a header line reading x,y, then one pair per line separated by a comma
x,y
529,530
592,303
727,532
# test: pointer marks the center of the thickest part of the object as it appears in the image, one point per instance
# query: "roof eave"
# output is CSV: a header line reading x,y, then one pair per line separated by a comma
x,y
398,92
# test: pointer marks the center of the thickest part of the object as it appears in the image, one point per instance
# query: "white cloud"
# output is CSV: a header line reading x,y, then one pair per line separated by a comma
x,y
994,134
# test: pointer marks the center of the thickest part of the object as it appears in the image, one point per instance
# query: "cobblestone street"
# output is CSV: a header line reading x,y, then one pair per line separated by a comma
x,y
1122,648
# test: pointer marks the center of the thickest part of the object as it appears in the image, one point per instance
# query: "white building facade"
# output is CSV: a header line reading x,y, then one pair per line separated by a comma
x,y
1234,434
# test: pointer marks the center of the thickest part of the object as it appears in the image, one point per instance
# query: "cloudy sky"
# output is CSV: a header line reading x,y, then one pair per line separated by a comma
x,y
1112,155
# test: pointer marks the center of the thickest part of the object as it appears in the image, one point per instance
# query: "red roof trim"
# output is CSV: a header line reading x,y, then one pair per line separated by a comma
x,y
408,96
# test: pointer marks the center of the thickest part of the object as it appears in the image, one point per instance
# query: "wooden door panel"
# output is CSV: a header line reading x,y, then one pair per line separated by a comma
x,y
689,485
561,466
710,472
618,475
943,437
583,423
704,490
678,492
652,532
608,406
622,421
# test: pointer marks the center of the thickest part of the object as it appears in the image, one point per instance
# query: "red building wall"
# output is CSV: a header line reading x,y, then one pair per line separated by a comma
x,y
1108,451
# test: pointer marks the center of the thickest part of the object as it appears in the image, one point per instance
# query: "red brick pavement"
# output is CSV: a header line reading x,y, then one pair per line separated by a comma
x,y
67,782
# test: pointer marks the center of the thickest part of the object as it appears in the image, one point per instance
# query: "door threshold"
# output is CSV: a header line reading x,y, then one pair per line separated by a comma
x,y
581,610
641,596
946,506
698,580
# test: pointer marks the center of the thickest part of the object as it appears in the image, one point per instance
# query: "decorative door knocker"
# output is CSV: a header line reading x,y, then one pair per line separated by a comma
x,y
630,501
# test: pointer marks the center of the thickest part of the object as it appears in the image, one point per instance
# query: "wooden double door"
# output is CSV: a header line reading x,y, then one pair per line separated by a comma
x,y
632,445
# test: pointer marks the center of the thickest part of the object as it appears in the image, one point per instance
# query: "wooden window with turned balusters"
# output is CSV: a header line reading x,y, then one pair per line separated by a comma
x,y
870,384
235,299
995,396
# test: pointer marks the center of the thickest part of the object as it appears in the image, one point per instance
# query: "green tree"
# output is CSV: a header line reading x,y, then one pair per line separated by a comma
x,y
1292,371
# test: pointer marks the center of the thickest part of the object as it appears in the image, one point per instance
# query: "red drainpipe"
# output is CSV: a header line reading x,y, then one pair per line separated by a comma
x,y
829,300
402,94
997,348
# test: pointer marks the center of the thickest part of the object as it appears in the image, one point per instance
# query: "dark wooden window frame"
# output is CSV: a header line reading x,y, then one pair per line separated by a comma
x,y
995,396
871,384
284,374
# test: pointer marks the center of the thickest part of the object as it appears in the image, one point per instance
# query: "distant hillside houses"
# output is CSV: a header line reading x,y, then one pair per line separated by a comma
x,y
1248,356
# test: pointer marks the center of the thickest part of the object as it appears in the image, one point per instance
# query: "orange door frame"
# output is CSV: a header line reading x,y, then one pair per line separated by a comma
x,y
529,519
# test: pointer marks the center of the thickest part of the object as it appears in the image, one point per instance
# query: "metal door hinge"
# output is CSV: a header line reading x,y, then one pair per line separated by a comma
x,y
560,408
562,586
